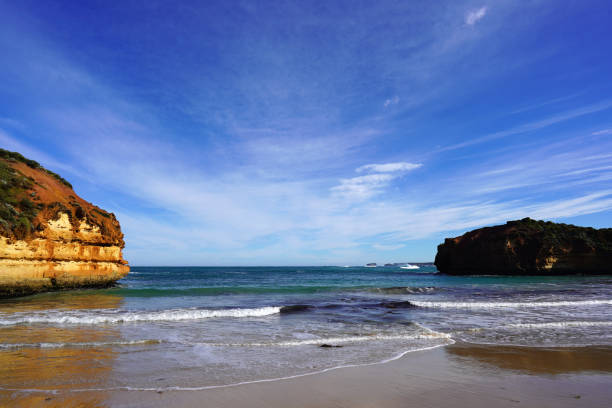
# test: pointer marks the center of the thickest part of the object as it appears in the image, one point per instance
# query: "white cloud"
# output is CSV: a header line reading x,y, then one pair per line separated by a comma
x,y
602,132
392,101
531,126
11,143
275,190
363,187
388,167
385,247
475,15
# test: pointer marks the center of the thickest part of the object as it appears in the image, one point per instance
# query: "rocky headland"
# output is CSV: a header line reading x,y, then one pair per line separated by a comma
x,y
527,247
50,238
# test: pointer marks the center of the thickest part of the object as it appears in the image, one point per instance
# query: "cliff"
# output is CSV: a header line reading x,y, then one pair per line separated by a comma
x,y
527,247
50,238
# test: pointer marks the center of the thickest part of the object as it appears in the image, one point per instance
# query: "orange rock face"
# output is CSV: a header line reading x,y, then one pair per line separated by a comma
x,y
49,237
527,247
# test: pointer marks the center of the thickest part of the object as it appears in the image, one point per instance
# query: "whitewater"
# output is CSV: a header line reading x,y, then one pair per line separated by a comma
x,y
199,327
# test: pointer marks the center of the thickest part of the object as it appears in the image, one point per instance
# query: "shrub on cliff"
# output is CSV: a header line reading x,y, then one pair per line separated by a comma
x,y
17,212
527,247
14,156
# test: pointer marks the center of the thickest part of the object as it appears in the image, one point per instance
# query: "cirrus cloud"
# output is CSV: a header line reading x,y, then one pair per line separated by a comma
x,y
381,175
475,15
388,167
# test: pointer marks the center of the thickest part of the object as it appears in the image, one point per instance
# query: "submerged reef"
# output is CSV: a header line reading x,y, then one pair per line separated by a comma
x,y
50,238
528,247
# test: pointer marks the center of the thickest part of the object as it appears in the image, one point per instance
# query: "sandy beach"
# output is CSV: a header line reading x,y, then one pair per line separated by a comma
x,y
460,375
305,204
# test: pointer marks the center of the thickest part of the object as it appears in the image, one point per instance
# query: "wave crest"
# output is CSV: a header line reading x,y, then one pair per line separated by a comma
x,y
402,290
10,346
493,305
340,340
559,325
128,317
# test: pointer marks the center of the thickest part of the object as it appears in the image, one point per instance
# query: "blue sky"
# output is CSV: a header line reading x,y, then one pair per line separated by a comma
x,y
297,132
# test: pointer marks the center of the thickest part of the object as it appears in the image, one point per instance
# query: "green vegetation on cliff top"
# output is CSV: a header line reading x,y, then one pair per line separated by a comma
x,y
14,156
17,210
23,211
555,234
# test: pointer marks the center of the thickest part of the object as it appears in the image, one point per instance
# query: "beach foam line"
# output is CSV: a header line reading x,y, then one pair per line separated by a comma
x,y
127,317
400,290
559,325
210,387
340,340
10,346
493,305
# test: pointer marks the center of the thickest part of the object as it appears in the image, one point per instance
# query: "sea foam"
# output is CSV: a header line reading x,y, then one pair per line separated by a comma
x,y
127,317
493,305
341,340
559,325
80,344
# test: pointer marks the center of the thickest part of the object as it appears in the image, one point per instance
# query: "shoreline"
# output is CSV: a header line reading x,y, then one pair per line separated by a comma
x,y
459,374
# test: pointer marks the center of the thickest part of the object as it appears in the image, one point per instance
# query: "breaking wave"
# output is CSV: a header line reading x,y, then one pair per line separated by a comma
x,y
493,305
10,346
558,325
341,340
401,290
128,317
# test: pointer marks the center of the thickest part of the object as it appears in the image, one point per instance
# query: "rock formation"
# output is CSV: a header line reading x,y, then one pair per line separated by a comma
x,y
527,247
49,237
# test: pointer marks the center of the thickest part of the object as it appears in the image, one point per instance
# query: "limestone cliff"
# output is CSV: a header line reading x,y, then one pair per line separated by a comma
x,y
49,237
527,247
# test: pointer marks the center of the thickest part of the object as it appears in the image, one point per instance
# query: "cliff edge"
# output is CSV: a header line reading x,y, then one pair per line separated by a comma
x,y
50,238
527,247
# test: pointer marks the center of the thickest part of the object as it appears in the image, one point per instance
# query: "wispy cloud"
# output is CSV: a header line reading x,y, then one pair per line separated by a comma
x,y
603,132
385,247
363,187
9,142
392,101
388,167
12,123
246,164
532,126
474,16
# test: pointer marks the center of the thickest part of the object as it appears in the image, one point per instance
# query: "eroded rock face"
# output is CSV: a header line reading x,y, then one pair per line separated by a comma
x,y
527,247
49,237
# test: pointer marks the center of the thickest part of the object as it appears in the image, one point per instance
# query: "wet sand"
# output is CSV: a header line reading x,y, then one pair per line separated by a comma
x,y
461,375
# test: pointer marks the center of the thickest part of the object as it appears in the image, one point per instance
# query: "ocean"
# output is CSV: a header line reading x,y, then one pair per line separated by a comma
x,y
174,328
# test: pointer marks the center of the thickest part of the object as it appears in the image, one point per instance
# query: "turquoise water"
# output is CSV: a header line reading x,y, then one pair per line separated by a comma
x,y
195,327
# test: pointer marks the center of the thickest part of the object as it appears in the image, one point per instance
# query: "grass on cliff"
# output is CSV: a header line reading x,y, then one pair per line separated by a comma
x,y
557,234
17,211
14,156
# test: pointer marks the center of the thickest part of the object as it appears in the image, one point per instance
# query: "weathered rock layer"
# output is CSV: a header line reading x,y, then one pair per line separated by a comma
x,y
527,247
49,237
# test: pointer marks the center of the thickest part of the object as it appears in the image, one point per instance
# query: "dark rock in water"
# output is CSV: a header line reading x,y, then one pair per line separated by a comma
x,y
325,345
397,305
528,247
295,308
